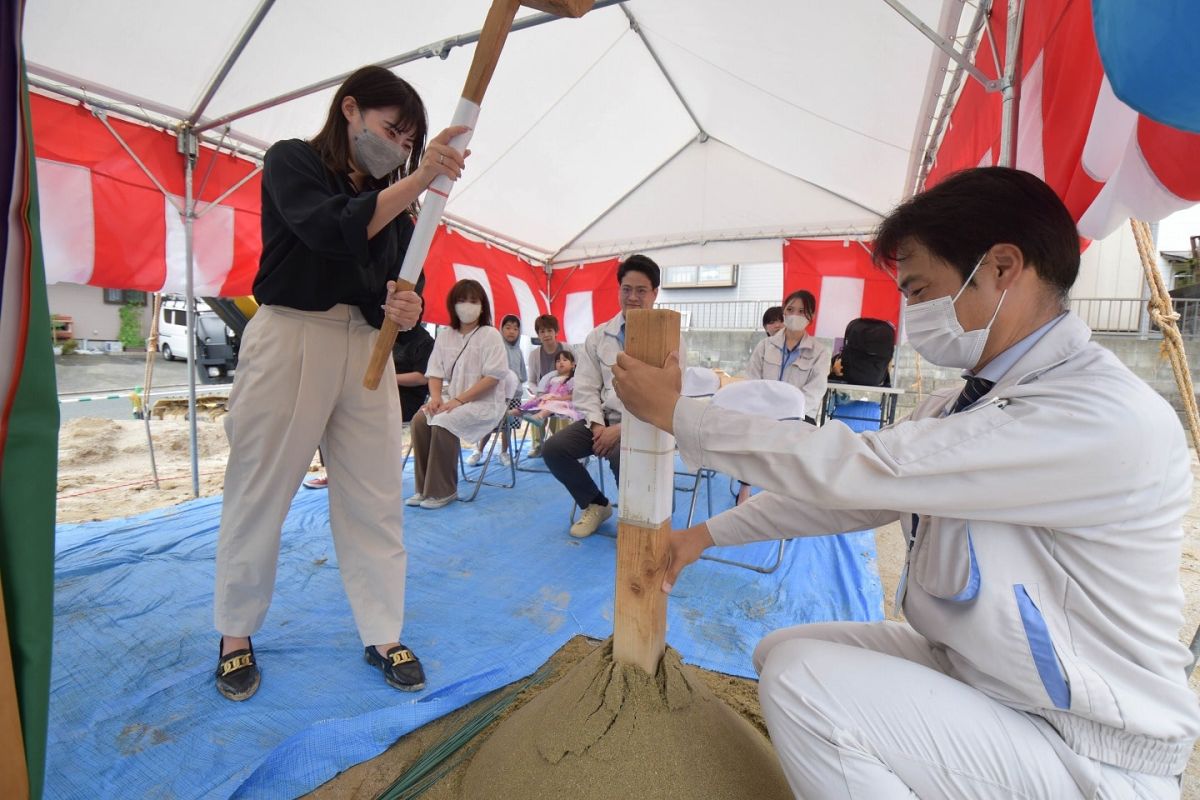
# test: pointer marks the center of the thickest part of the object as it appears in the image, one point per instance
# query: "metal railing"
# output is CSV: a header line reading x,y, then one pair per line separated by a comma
x,y
1111,315
1125,316
728,315
1128,315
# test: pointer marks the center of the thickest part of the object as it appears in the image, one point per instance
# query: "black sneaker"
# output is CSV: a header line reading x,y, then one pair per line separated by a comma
x,y
400,668
237,673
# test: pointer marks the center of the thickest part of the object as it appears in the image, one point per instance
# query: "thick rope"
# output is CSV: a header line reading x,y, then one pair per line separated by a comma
x,y
1164,316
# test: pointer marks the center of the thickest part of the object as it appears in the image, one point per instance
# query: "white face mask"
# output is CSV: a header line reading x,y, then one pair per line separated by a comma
x,y
468,312
795,322
934,331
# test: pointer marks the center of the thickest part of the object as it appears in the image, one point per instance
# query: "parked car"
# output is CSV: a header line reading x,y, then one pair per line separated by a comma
x,y
216,354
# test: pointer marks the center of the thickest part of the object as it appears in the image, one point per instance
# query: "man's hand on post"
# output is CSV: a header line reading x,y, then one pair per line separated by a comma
x,y
649,393
686,546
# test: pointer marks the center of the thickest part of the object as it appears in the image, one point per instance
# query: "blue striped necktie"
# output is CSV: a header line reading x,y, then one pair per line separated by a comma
x,y
975,389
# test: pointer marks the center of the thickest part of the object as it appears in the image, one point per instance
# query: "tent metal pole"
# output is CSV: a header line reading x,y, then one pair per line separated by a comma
x,y
47,78
945,45
1011,82
637,28
698,138
649,247
234,53
221,197
935,80
159,120
950,98
188,146
496,239
440,49
625,196
100,115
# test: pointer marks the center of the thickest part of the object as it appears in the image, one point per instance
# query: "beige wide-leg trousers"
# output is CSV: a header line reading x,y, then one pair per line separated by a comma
x,y
865,711
299,384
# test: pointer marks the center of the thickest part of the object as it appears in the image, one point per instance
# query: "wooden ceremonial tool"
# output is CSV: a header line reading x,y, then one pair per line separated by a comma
x,y
483,64
646,487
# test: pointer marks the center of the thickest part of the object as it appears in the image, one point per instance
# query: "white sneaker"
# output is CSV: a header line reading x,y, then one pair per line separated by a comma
x,y
505,458
474,459
415,500
590,520
438,502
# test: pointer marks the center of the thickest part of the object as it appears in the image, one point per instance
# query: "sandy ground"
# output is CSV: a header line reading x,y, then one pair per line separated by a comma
x,y
104,472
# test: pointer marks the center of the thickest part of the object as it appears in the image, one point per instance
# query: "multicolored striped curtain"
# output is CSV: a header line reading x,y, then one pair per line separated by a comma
x,y
28,436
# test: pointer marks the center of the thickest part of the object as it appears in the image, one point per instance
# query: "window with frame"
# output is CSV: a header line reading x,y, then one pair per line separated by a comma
x,y
120,297
700,277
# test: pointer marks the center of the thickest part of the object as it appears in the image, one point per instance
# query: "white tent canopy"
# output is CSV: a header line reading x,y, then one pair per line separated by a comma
x,y
701,131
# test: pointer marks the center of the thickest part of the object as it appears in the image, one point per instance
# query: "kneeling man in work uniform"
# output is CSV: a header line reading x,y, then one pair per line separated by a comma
x,y
1042,502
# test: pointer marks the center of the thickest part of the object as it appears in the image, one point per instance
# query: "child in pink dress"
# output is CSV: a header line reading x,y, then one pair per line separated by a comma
x,y
556,400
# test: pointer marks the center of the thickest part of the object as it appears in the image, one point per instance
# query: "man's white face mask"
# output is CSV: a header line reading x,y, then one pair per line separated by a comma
x,y
934,331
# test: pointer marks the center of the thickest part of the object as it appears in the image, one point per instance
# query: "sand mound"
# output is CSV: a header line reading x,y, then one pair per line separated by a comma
x,y
607,730
173,437
87,440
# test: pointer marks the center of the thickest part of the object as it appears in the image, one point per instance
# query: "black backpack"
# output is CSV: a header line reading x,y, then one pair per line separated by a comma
x,y
867,352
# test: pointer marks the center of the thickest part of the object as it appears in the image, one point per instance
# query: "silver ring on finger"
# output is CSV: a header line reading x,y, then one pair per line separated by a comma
x,y
441,159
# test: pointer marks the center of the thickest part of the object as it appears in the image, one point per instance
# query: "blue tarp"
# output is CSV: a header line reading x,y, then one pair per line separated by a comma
x,y
494,588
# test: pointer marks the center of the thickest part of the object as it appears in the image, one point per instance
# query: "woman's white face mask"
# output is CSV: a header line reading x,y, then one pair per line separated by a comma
x,y
934,331
795,322
468,313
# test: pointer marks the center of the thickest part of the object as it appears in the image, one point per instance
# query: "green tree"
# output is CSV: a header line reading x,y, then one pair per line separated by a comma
x,y
130,332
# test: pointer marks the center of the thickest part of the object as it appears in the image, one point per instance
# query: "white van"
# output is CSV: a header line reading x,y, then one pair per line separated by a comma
x,y
172,326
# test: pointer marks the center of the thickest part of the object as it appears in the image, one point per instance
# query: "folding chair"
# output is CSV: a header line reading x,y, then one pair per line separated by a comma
x,y
551,427
774,399
480,477
701,474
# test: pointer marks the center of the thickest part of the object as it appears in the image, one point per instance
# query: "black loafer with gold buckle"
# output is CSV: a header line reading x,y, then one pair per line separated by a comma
x,y
237,673
401,668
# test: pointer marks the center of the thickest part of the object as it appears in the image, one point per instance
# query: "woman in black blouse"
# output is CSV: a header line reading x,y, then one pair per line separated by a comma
x,y
336,220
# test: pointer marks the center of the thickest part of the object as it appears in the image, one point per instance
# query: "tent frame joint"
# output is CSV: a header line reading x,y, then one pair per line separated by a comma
x,y
947,46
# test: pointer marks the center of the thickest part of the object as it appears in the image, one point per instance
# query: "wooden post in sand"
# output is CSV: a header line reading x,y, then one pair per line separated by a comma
x,y
646,488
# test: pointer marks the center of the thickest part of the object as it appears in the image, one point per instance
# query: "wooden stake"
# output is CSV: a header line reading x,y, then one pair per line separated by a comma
x,y
382,350
487,52
14,772
647,484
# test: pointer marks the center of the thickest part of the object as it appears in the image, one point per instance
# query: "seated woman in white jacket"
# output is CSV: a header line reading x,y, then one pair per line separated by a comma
x,y
793,356
466,394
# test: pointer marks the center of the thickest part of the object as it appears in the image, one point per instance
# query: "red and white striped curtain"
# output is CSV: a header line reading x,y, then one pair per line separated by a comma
x,y
846,284
105,223
1106,161
583,297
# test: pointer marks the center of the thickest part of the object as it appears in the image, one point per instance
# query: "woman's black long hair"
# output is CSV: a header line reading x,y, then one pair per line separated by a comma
x,y
371,87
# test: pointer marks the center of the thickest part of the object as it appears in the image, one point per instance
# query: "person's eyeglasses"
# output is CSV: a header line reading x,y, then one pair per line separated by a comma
x,y
636,291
